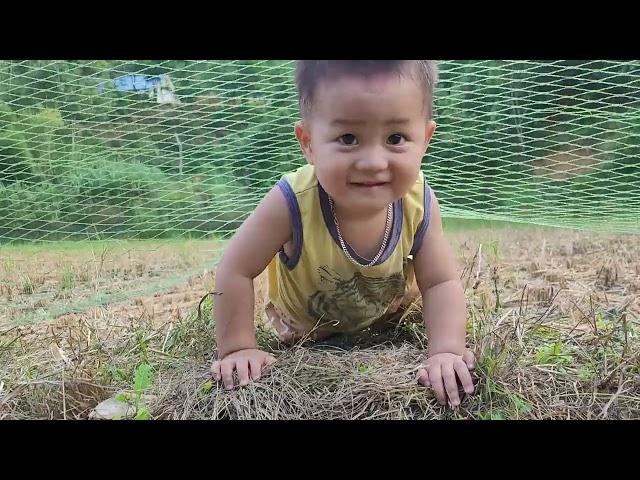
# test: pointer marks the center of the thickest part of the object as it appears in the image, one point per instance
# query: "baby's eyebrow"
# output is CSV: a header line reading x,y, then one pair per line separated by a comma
x,y
346,121
395,121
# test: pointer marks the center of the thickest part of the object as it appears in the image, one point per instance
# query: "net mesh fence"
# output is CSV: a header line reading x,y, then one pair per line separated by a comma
x,y
128,157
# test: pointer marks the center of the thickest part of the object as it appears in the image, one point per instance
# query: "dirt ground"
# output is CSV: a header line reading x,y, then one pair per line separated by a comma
x,y
53,278
536,263
554,320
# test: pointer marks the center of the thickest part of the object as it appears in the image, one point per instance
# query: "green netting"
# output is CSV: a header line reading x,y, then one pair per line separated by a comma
x,y
99,150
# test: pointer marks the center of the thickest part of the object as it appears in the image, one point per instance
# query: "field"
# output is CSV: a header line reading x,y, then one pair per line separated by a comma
x,y
553,317
49,279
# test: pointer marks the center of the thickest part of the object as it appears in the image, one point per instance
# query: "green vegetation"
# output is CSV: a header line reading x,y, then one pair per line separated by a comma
x,y
550,142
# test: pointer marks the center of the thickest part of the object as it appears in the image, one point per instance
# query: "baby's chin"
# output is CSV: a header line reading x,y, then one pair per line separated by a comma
x,y
368,202
363,197
379,192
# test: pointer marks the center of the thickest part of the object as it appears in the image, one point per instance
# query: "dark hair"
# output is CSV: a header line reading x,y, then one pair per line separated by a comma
x,y
310,72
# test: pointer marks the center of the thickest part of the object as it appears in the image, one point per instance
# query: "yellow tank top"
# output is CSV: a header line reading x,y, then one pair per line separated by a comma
x,y
318,289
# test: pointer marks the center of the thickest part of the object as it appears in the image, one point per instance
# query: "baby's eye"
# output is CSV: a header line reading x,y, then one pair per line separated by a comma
x,y
396,139
348,139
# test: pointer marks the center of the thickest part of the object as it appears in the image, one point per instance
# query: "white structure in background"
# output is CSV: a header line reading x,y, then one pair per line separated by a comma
x,y
159,86
164,91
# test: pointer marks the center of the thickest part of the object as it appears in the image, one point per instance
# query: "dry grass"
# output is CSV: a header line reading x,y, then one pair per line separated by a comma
x,y
553,319
57,276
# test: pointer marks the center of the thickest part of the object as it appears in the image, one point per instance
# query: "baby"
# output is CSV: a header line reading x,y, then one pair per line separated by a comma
x,y
353,237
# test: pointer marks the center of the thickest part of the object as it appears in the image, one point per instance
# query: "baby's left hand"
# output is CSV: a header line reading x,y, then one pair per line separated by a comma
x,y
440,372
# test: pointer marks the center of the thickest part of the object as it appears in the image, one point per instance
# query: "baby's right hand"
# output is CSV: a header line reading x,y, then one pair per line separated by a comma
x,y
249,363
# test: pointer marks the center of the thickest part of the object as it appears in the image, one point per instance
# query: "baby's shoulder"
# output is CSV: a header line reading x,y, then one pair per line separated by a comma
x,y
301,179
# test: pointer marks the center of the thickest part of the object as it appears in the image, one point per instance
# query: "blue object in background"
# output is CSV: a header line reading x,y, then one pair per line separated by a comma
x,y
135,82
127,83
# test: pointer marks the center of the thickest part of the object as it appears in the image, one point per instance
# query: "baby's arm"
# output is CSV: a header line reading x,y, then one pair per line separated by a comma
x,y
249,252
444,314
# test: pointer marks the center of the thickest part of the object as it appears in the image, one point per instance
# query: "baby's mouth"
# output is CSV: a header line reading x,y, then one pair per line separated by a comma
x,y
369,184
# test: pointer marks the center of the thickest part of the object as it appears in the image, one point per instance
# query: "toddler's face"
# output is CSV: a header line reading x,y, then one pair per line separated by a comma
x,y
366,138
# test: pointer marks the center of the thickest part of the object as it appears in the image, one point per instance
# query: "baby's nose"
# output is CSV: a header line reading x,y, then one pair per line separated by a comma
x,y
373,161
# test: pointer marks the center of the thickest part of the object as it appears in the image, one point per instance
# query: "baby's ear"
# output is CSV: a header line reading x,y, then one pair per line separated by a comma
x,y
304,139
430,129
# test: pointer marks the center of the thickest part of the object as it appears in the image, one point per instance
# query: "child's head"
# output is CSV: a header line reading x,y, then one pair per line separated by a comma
x,y
366,125
309,73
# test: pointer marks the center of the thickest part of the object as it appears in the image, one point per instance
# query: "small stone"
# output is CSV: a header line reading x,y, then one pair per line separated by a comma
x,y
114,409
